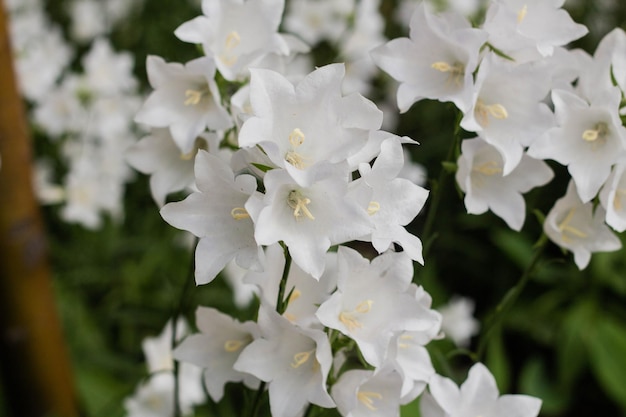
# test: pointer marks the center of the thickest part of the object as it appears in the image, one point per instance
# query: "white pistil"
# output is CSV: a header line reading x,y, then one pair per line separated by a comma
x,y
403,345
194,97
566,229
483,111
239,213
522,14
232,40
296,139
348,317
300,358
368,397
373,208
299,204
599,132
457,70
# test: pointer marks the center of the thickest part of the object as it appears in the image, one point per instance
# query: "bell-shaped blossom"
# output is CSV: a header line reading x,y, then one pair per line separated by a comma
x,y
108,72
361,393
477,396
516,26
436,62
391,202
236,33
307,293
613,198
315,21
295,361
158,156
479,175
216,348
373,303
458,322
217,215
507,110
308,219
185,99
308,124
574,225
589,138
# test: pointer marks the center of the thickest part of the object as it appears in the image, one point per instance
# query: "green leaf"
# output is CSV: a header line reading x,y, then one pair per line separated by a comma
x,y
535,382
449,167
607,345
571,352
262,167
497,362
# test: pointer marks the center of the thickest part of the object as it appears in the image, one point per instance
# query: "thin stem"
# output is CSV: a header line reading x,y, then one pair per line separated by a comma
x,y
177,312
437,189
257,399
496,318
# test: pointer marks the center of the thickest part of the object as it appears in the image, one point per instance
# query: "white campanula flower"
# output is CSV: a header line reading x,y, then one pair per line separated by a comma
x,y
507,109
308,124
436,62
185,99
613,198
309,220
391,202
295,361
574,225
216,215
318,20
458,322
361,393
477,396
107,72
373,302
480,176
236,33
216,348
307,293
158,156
520,27
589,138
88,20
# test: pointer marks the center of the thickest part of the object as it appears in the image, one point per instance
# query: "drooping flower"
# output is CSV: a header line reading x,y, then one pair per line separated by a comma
x,y
364,393
613,198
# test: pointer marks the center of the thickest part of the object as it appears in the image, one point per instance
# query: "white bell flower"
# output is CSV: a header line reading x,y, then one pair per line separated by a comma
x,y
216,348
236,33
613,198
373,302
436,62
362,393
217,215
293,360
185,99
477,396
458,322
573,225
480,176
589,138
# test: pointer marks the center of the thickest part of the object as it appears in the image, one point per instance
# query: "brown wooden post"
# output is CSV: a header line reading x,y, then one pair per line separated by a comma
x,y
34,363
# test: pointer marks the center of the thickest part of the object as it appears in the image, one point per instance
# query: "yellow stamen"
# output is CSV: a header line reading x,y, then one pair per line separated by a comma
x,y
404,337
232,40
295,294
488,168
483,111
565,228
373,207
348,317
239,213
194,96
456,70
300,358
368,397
296,137
522,14
598,132
233,345
299,204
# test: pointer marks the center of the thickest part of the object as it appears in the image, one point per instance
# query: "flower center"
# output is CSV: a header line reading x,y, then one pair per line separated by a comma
x,y
521,14
403,345
373,208
368,397
233,39
456,71
194,97
301,358
233,345
488,168
569,232
348,318
239,213
596,136
299,204
296,139
483,111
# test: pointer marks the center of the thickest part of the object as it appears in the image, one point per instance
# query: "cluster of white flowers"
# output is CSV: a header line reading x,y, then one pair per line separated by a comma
x,y
503,76
89,114
285,171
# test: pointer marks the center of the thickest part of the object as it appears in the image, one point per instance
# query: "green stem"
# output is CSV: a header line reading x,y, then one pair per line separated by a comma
x,y
427,235
177,312
496,318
